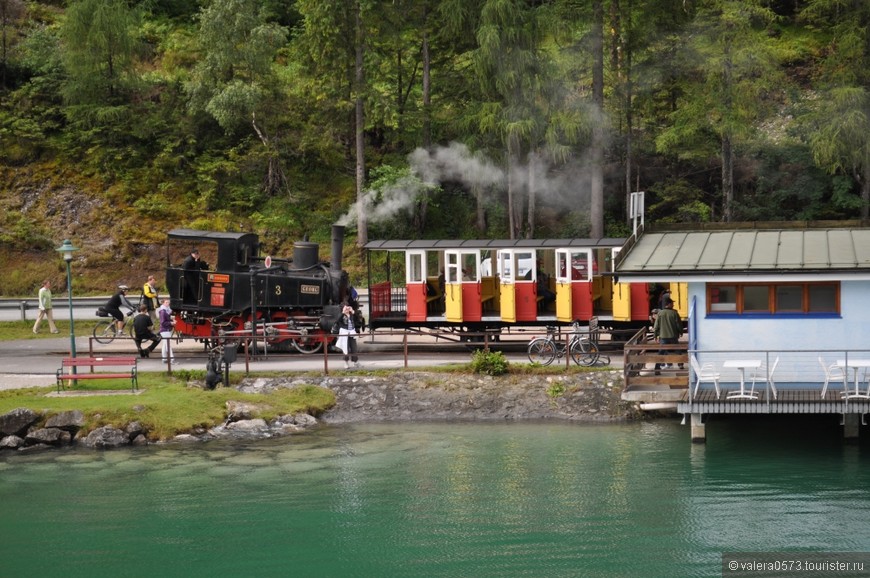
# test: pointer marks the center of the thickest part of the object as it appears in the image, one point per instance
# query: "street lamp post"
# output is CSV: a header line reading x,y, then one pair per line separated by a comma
x,y
66,249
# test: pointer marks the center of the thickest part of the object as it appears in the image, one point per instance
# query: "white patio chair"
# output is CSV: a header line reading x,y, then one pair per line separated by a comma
x,y
761,375
706,373
833,372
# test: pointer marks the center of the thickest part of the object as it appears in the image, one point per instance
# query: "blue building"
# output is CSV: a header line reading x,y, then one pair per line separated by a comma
x,y
784,305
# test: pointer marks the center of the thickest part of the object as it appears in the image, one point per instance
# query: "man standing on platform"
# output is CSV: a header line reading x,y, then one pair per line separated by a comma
x,y
668,328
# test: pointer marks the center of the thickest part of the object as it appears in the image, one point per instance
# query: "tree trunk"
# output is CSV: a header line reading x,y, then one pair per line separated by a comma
x,y
423,206
512,217
534,167
362,235
480,198
865,188
596,208
727,178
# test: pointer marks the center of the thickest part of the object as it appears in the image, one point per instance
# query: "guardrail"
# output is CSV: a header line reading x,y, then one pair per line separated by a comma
x,y
25,305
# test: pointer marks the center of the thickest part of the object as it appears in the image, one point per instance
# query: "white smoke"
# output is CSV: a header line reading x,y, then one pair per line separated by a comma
x,y
565,188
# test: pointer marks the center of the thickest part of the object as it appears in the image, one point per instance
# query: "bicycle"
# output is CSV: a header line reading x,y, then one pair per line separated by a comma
x,y
105,330
583,351
220,357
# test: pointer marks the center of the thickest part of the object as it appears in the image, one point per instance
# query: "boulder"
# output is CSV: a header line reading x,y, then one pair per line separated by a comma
x,y
106,437
134,429
11,442
239,410
70,421
51,436
17,421
248,425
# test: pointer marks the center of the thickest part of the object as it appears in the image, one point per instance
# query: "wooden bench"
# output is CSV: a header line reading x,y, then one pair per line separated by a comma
x,y
128,363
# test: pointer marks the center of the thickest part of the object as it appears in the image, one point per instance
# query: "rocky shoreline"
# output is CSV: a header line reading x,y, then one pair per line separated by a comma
x,y
402,396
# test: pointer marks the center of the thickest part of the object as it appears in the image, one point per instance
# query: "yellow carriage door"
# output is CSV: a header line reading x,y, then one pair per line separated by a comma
x,y
453,286
505,270
680,296
573,289
621,296
563,285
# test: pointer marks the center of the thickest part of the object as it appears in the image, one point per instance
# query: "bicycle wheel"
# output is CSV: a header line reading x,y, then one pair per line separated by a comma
x,y
584,352
104,331
542,351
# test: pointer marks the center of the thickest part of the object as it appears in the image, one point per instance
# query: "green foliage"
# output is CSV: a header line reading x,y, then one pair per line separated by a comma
x,y
229,114
556,389
234,77
489,362
99,48
677,202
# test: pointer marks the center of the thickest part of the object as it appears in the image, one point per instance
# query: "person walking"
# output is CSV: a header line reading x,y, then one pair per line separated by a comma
x,y
347,332
164,314
142,325
668,328
45,308
149,297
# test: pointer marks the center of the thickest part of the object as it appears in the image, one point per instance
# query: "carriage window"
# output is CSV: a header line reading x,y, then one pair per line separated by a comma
x,y
415,268
454,269
469,267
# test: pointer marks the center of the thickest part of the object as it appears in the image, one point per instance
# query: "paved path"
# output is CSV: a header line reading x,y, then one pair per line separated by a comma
x,y
33,362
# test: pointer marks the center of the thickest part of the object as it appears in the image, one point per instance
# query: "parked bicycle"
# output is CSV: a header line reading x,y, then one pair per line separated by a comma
x,y
220,357
106,330
583,351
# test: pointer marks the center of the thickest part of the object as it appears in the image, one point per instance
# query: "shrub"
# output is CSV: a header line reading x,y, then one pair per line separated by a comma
x,y
556,389
489,362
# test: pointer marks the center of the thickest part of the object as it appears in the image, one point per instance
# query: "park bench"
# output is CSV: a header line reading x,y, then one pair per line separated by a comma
x,y
128,363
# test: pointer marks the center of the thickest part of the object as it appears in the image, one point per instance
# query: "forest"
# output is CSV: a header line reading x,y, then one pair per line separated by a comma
x,y
122,119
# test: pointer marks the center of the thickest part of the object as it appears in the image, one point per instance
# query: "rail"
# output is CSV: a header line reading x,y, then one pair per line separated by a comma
x,y
644,362
380,345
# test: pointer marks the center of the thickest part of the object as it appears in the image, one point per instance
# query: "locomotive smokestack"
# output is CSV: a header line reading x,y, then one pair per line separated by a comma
x,y
337,247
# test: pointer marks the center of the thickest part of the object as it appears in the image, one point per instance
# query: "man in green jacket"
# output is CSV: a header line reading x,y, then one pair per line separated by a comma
x,y
668,327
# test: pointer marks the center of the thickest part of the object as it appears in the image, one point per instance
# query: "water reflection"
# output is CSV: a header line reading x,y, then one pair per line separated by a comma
x,y
439,500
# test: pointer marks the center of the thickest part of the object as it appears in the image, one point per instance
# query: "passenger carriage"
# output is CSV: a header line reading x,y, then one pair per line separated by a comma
x,y
486,285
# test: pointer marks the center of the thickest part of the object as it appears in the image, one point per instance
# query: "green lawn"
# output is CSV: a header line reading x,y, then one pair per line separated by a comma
x,y
16,330
165,406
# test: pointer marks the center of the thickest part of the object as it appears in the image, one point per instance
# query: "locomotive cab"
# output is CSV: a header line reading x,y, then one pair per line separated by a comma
x,y
214,283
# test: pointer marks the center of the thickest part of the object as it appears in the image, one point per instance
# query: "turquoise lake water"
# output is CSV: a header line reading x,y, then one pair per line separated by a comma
x,y
440,499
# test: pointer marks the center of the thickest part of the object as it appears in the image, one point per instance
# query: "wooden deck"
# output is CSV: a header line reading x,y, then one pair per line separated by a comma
x,y
670,387
790,400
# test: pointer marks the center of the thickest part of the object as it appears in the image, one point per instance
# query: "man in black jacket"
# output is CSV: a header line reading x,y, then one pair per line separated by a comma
x,y
142,331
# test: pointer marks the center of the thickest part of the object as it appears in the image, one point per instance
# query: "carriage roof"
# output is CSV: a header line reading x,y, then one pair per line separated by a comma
x,y
491,244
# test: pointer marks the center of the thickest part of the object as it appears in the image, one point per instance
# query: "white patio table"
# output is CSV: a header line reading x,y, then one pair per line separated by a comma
x,y
854,365
742,365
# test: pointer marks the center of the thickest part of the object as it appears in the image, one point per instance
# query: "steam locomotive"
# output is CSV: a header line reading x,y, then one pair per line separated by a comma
x,y
293,301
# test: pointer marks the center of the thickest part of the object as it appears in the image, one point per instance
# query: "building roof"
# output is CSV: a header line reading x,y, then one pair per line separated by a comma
x,y
747,250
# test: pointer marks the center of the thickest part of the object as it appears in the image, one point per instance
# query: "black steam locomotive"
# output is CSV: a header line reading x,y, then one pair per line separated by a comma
x,y
294,301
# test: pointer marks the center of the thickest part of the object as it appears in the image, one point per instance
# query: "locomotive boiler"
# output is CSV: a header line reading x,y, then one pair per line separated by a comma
x,y
233,290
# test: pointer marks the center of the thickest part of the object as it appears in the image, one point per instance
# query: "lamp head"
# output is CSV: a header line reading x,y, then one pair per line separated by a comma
x,y
66,249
